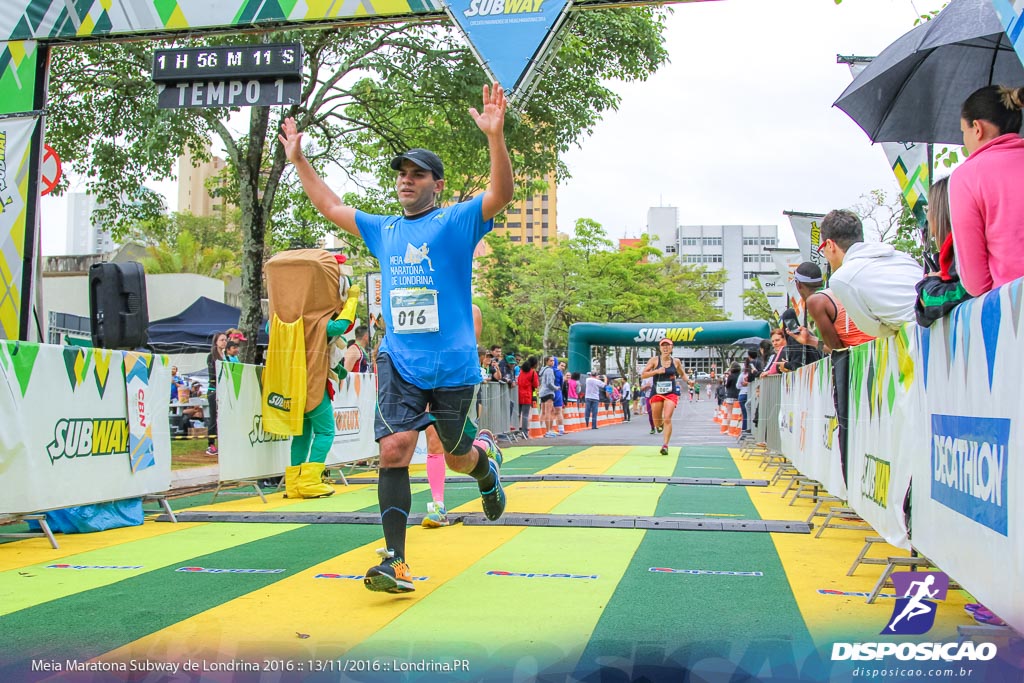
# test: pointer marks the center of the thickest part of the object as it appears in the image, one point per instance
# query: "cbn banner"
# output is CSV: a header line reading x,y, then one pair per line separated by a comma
x,y
881,434
786,262
65,429
248,452
808,429
15,144
967,466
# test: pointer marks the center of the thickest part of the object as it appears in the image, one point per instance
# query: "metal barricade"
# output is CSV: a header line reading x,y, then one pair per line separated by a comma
x,y
769,391
496,408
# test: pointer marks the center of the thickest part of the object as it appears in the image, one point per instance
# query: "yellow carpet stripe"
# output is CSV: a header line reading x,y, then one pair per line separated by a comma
x,y
336,614
152,553
506,621
35,551
821,563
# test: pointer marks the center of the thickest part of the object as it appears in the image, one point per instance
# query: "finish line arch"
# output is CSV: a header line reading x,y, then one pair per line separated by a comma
x,y
582,336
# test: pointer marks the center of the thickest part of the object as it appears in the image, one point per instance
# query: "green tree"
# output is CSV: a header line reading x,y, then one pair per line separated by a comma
x,y
369,92
757,306
893,221
185,255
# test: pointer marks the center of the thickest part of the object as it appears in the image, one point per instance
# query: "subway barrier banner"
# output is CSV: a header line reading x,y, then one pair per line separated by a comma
x,y
883,420
808,429
968,478
65,429
246,451
15,139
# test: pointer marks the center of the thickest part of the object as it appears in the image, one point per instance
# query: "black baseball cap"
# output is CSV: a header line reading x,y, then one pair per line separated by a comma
x,y
423,158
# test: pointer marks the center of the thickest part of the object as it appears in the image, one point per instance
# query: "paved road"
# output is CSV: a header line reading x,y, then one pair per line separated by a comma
x,y
691,425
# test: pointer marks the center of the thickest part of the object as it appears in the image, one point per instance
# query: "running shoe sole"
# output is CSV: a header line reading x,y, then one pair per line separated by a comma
x,y
382,582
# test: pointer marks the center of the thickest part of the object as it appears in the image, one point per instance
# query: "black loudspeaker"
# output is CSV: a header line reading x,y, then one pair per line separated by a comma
x,y
118,311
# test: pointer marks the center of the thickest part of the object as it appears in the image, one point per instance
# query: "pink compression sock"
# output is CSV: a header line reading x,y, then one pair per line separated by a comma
x,y
435,475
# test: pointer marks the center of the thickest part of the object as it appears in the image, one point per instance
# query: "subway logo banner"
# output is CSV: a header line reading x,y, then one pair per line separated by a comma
x,y
511,38
248,451
967,472
66,438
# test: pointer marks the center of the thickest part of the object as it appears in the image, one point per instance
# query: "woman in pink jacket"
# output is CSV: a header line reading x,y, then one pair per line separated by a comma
x,y
986,203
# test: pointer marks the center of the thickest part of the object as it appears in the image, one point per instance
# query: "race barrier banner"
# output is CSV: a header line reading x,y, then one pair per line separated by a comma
x,y
65,439
246,451
968,474
883,426
15,139
808,428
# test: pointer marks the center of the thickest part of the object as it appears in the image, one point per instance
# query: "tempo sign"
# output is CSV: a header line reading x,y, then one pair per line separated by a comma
x,y
228,76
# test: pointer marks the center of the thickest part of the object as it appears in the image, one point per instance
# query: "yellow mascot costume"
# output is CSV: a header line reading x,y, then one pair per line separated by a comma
x,y
306,289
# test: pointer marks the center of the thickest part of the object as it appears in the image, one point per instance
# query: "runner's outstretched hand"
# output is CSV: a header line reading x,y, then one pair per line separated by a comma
x,y
492,120
291,139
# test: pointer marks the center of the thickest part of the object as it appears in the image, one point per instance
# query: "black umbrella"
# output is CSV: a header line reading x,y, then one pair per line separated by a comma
x,y
748,342
913,90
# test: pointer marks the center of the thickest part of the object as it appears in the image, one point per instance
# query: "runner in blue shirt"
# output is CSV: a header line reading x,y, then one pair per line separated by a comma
x,y
428,356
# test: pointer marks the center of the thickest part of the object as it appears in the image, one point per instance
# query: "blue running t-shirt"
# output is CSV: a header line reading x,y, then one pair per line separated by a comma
x,y
426,279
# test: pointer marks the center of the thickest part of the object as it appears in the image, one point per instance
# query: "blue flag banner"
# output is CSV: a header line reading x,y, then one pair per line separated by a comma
x,y
509,37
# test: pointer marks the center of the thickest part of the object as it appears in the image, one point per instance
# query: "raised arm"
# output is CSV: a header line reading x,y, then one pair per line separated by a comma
x,y
322,197
491,122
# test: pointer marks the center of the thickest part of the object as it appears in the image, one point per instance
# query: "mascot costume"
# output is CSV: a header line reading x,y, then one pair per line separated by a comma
x,y
311,305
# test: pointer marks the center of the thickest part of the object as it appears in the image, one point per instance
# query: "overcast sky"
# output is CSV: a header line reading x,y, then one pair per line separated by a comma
x,y
738,128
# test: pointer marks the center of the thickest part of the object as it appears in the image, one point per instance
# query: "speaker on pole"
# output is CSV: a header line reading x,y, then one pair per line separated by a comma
x,y
118,311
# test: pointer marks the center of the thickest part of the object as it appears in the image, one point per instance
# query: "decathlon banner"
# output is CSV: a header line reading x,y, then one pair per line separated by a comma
x,y
807,229
246,451
883,419
66,431
510,37
808,429
967,465
15,139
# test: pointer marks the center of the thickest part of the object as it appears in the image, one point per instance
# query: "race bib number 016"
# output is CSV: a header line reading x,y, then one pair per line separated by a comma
x,y
414,311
